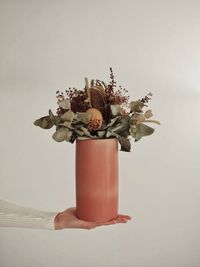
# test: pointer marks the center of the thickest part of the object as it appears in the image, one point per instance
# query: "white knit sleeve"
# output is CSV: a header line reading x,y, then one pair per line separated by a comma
x,y
13,215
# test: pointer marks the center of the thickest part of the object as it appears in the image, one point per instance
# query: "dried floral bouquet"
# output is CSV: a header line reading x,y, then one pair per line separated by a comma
x,y
99,111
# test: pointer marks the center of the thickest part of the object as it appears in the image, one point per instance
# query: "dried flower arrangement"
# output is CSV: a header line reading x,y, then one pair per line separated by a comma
x,y
99,111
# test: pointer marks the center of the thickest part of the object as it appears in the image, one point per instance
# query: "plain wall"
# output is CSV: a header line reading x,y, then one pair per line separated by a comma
x,y
152,46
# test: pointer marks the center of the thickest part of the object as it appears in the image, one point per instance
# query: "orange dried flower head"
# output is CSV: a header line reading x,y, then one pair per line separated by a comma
x,y
96,119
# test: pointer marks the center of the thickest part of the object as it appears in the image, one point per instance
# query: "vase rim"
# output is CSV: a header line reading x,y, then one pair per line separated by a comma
x,y
97,139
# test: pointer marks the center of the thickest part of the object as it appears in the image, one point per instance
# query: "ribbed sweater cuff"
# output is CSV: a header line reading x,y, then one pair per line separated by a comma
x,y
13,215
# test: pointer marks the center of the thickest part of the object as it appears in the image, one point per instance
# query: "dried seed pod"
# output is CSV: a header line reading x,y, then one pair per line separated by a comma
x,y
96,119
98,97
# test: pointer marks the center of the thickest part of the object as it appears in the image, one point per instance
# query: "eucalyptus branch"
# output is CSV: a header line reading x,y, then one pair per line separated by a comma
x,y
154,121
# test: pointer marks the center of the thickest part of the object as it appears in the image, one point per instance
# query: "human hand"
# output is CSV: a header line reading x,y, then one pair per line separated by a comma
x,y
68,219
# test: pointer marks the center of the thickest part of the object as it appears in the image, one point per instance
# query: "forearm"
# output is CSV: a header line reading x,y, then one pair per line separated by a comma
x,y
13,215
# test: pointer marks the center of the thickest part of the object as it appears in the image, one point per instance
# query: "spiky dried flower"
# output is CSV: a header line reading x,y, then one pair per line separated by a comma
x,y
112,79
94,125
96,119
146,98
116,96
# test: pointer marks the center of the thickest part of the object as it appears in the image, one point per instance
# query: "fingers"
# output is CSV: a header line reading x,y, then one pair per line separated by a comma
x,y
119,219
91,225
124,216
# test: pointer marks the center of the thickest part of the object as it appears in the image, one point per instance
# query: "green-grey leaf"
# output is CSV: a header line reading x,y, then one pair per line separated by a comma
x,y
103,126
113,121
65,103
125,143
154,121
54,119
77,124
109,133
73,138
136,106
44,122
83,138
66,124
137,118
62,134
140,131
123,127
83,117
67,116
79,132
115,109
148,113
101,134
85,131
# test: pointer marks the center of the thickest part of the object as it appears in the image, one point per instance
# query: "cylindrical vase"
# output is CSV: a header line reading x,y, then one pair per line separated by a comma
x,y
97,179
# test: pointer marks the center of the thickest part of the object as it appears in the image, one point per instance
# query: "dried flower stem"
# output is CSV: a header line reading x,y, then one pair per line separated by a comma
x,y
88,90
154,121
146,98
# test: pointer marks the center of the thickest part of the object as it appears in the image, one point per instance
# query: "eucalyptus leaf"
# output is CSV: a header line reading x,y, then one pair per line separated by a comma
x,y
66,124
67,116
113,121
101,134
136,106
77,124
125,143
154,121
140,131
148,113
55,119
73,138
103,126
110,133
62,134
83,117
44,122
65,103
137,118
123,127
79,132
83,138
86,132
115,109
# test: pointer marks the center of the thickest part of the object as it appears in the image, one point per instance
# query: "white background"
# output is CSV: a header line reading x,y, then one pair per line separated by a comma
x,y
152,46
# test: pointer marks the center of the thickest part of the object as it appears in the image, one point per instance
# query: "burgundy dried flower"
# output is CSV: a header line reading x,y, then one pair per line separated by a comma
x,y
78,100
116,96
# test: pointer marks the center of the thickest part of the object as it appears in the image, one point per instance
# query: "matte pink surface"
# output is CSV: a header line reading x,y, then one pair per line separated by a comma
x,y
97,179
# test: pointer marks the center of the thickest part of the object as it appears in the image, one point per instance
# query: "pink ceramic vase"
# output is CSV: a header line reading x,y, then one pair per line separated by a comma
x,y
97,179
